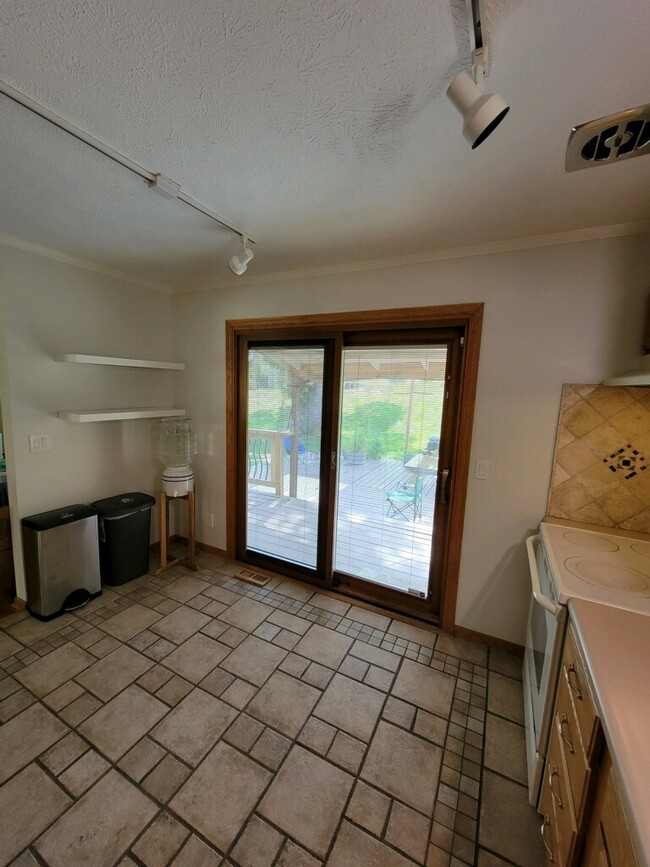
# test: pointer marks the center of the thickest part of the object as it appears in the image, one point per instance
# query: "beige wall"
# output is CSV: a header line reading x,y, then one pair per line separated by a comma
x,y
569,313
50,308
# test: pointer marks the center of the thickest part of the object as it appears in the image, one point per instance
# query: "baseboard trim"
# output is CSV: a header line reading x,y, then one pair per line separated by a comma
x,y
490,640
19,604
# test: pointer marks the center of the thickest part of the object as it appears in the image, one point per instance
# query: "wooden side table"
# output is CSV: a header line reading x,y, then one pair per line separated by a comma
x,y
189,559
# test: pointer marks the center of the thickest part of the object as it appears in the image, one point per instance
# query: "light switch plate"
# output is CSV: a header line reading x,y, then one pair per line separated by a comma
x,y
40,442
482,469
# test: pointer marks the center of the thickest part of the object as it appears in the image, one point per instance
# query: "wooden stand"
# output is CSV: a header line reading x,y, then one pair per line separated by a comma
x,y
188,560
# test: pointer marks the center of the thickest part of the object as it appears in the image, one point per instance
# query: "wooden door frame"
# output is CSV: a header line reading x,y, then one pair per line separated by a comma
x,y
469,316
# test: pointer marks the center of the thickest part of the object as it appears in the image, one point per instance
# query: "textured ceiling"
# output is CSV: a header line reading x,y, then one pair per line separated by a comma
x,y
320,127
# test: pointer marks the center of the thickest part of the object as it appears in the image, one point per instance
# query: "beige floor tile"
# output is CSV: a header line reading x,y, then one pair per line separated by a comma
x,y
258,845
425,687
243,732
114,672
174,690
510,664
239,694
431,727
398,712
408,831
270,749
227,597
63,695
347,752
505,697
351,706
26,736
84,773
413,633
129,622
487,859
30,630
14,704
324,646
375,655
48,672
505,748
196,658
180,624
354,846
404,766
307,799
246,614
25,860
185,588
220,794
289,621
461,648
166,779
508,825
293,856
141,758
368,808
368,618
80,709
317,735
284,703
64,753
8,646
195,853
160,841
28,803
68,841
254,660
294,591
193,727
116,727
328,603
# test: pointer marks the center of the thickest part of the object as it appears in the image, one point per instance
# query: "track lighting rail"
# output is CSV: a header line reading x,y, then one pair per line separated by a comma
x,y
155,180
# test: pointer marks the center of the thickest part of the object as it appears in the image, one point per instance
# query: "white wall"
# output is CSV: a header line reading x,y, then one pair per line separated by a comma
x,y
570,313
50,308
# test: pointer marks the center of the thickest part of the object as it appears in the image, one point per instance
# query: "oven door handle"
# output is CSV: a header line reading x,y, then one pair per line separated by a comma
x,y
544,601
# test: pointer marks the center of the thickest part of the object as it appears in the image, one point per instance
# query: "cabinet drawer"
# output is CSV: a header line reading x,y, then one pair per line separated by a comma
x,y
568,841
574,677
578,768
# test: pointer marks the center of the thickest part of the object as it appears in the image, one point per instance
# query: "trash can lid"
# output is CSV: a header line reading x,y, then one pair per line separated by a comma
x,y
58,517
113,507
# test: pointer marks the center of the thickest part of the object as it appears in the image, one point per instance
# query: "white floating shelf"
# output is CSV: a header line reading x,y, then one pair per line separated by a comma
x,y
119,362
82,415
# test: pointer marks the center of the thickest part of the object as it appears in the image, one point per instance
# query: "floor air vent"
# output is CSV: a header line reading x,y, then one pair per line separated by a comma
x,y
609,139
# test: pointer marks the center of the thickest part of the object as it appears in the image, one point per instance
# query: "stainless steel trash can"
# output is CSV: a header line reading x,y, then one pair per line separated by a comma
x,y
61,560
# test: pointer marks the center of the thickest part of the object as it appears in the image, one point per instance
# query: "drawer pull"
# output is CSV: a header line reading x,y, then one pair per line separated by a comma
x,y
554,772
567,673
546,824
564,721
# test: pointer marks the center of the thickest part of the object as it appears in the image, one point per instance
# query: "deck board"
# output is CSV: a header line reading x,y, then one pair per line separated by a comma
x,y
393,552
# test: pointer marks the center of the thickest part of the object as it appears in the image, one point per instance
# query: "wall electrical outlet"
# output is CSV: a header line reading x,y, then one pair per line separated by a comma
x,y
40,442
209,519
482,469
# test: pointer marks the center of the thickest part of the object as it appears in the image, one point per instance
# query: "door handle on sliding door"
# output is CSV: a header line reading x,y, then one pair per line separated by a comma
x,y
445,478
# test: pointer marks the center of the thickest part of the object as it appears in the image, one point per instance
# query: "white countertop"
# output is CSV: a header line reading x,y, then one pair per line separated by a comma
x,y
616,647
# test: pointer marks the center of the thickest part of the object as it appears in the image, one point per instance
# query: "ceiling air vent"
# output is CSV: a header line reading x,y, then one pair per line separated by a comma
x,y
609,139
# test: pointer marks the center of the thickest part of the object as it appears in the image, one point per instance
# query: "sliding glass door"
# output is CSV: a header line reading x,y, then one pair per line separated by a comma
x,y
344,454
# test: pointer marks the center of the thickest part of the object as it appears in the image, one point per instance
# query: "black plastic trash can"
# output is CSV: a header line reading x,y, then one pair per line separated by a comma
x,y
124,527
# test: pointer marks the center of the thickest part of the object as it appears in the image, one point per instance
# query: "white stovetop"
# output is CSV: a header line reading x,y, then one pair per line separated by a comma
x,y
599,564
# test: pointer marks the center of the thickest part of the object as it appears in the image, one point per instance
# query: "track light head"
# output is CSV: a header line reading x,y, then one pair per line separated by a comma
x,y
239,262
482,112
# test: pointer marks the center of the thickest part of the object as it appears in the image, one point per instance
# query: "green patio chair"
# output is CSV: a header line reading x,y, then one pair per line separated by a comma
x,y
408,497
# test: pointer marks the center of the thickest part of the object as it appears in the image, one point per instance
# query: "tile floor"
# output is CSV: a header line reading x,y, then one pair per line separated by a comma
x,y
195,720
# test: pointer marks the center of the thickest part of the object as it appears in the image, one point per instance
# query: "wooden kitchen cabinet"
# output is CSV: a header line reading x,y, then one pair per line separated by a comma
x,y
608,842
583,823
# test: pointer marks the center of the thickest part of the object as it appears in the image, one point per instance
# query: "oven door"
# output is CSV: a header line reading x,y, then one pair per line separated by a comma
x,y
544,643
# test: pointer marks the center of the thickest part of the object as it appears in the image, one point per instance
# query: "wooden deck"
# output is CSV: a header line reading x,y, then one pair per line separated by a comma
x,y
392,552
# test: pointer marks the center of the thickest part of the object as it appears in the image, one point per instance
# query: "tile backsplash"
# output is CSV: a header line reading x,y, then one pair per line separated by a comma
x,y
601,465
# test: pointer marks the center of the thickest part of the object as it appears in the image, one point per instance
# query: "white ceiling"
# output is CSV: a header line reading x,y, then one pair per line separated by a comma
x,y
320,126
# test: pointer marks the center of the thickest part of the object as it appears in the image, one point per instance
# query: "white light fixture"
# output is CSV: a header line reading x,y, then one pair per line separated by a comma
x,y
239,262
482,112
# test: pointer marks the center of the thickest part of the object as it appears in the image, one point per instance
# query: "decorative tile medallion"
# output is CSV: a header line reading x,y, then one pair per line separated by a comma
x,y
628,460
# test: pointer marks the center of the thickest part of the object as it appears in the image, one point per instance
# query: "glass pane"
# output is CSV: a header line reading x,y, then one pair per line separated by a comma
x,y
391,415
285,403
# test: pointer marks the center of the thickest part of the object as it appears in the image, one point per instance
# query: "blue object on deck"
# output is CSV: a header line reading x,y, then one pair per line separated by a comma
x,y
302,448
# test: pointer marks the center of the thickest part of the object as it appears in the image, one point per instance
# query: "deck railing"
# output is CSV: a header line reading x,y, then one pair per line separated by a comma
x,y
266,458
